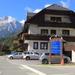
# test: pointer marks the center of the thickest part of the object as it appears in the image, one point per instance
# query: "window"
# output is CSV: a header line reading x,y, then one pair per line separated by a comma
x,y
65,32
20,53
35,45
31,52
44,31
44,45
15,53
53,32
55,19
47,54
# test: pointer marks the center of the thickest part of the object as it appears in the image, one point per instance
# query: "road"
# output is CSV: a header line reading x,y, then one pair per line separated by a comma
x,y
8,68
32,67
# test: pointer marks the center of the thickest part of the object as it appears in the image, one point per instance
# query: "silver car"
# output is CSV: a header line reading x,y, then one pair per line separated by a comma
x,y
45,59
16,55
30,55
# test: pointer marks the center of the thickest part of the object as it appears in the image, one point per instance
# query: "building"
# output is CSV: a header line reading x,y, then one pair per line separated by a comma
x,y
53,20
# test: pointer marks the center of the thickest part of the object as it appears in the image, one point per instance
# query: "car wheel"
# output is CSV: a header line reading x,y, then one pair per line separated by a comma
x,y
11,57
65,61
27,58
45,61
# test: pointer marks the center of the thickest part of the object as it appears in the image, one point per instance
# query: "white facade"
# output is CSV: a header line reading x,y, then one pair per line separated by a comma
x,y
73,56
30,46
34,29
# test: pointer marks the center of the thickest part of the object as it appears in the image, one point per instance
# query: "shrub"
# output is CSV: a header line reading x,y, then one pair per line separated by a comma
x,y
2,53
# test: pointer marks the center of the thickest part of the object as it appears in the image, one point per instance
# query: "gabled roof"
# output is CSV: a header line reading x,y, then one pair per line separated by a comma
x,y
57,7
54,9
30,14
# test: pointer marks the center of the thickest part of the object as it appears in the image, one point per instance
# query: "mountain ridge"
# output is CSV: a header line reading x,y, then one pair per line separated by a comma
x,y
9,27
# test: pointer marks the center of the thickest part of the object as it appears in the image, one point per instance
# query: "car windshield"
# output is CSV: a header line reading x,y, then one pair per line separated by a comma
x,y
36,53
15,53
46,53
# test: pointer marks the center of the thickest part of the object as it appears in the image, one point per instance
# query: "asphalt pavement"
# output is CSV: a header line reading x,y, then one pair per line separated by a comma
x,y
8,68
33,67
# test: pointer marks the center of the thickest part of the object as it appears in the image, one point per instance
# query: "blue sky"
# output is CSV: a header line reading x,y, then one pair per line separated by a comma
x,y
19,8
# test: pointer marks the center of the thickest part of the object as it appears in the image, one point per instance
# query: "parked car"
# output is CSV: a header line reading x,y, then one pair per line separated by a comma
x,y
15,55
30,55
45,59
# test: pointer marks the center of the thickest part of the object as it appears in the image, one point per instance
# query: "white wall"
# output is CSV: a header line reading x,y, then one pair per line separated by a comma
x,y
73,56
30,46
72,32
34,29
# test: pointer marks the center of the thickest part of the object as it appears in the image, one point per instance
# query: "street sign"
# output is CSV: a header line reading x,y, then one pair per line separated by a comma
x,y
56,50
55,47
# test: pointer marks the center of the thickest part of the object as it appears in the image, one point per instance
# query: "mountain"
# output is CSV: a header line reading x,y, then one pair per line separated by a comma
x,y
9,27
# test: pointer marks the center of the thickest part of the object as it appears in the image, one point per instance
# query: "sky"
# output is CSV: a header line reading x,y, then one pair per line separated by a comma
x,y
19,8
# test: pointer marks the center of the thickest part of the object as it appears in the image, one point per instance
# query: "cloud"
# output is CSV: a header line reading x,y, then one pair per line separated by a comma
x,y
47,5
28,9
65,3
22,22
37,10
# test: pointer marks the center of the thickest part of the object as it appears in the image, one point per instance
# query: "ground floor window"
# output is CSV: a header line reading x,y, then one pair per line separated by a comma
x,y
35,45
44,45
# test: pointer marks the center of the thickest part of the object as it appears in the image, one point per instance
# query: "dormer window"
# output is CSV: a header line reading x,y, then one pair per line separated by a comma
x,y
55,19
